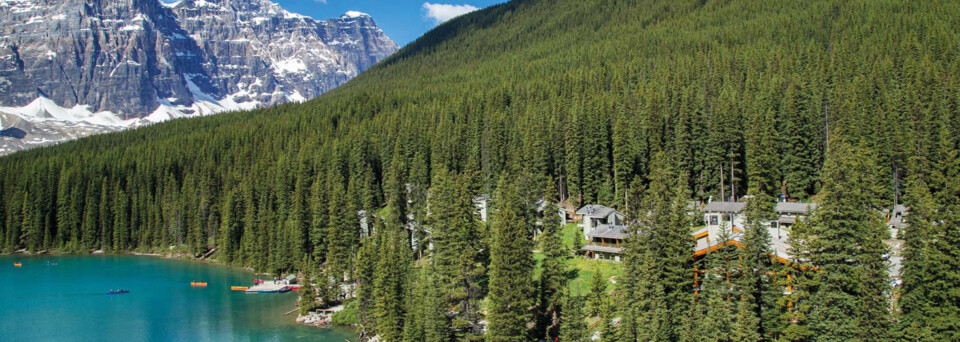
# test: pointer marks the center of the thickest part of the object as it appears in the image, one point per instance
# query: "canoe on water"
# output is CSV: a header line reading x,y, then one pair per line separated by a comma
x,y
17,264
238,288
117,292
198,283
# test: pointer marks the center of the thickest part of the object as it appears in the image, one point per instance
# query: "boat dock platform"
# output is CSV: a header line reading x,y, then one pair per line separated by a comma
x,y
270,286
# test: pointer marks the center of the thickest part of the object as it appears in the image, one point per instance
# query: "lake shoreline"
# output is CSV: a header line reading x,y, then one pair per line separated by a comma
x,y
170,256
159,290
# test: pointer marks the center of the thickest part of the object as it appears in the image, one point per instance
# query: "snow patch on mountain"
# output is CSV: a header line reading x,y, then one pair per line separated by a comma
x,y
158,60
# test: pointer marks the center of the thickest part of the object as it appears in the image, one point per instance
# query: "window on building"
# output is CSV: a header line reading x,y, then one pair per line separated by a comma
x,y
713,220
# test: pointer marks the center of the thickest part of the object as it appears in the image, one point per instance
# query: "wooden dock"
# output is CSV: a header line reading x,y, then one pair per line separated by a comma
x,y
270,286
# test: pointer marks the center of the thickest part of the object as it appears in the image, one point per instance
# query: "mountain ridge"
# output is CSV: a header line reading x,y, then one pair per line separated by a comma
x,y
144,61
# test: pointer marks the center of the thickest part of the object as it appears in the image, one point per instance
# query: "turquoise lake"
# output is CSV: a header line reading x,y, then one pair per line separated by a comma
x,y
67,302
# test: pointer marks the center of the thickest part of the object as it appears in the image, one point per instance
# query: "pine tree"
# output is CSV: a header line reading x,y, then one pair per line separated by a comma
x,y
624,155
798,279
390,281
457,248
573,326
930,272
573,158
712,315
367,261
608,330
657,258
30,226
308,294
511,266
850,302
553,275
319,207
342,229
598,292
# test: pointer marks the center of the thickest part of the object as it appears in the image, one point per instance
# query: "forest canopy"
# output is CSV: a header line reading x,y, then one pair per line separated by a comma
x,y
630,104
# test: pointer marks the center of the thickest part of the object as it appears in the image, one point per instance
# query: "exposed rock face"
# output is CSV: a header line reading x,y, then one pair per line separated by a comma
x,y
111,64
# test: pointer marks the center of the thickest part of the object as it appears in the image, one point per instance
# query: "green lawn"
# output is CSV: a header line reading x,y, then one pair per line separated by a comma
x,y
581,270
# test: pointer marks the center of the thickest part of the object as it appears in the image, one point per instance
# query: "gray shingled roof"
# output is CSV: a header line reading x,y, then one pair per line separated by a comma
x,y
595,211
609,232
724,207
795,208
604,249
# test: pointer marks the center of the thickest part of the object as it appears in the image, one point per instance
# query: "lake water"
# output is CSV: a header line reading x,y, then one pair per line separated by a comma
x,y
67,302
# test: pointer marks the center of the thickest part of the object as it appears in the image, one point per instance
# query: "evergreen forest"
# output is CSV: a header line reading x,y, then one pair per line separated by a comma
x,y
640,105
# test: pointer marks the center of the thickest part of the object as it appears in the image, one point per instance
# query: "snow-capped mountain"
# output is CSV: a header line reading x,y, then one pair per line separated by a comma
x,y
70,68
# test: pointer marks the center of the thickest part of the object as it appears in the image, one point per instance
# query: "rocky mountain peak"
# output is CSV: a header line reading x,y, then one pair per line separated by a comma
x,y
143,61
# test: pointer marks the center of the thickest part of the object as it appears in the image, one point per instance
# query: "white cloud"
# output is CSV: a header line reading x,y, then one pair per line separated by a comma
x,y
440,13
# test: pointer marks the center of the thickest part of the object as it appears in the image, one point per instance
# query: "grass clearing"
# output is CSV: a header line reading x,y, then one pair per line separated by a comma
x,y
581,269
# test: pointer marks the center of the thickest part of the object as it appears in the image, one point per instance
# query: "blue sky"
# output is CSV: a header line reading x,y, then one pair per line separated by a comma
x,y
402,20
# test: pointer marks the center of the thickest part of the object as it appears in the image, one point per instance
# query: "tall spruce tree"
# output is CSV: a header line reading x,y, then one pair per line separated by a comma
x,y
850,302
657,257
553,277
457,248
511,266
390,281
573,326
712,315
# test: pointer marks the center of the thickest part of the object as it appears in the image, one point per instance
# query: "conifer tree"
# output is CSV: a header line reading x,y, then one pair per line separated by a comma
x,y
341,231
390,281
511,266
598,292
657,257
553,275
307,292
608,329
624,155
712,315
850,302
457,245
929,271
573,326
30,226
798,279
367,261
320,209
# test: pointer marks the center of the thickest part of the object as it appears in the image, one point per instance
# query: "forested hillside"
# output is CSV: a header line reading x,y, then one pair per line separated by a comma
x,y
641,105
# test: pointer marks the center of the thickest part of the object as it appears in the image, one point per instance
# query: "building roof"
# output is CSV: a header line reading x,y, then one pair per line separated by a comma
x,y
896,218
724,207
541,204
604,249
609,232
595,211
795,208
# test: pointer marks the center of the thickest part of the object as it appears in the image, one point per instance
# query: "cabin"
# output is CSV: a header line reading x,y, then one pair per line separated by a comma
x,y
790,212
569,212
605,242
728,217
558,208
593,216
482,203
716,214
897,220
364,223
